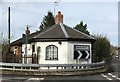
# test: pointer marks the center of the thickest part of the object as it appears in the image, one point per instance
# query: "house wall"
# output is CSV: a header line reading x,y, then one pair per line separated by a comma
x,y
65,52
29,53
17,50
62,52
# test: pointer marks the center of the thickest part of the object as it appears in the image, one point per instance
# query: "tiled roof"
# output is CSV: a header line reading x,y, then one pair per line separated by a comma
x,y
56,32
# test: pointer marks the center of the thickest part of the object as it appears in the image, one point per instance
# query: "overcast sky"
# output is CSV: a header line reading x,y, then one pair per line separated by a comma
x,y
101,17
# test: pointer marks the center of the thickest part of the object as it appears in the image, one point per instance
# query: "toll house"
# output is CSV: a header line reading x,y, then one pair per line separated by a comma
x,y
57,44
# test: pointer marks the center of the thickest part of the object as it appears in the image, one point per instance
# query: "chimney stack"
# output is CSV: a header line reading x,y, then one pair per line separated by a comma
x,y
27,32
59,18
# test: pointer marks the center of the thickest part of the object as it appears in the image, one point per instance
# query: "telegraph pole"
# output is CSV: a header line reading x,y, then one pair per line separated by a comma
x,y
9,29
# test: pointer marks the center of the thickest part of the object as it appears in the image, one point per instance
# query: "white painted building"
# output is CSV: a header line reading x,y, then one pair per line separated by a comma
x,y
63,53
58,44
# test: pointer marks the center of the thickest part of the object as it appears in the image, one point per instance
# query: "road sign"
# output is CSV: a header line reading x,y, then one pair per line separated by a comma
x,y
81,51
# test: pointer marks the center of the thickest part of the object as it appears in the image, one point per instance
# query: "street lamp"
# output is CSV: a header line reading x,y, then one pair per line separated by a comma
x,y
26,42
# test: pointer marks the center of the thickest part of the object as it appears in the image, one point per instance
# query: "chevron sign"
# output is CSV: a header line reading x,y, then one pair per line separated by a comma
x,y
81,51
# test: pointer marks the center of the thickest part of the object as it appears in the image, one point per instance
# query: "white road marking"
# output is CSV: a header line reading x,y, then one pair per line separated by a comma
x,y
36,79
111,75
106,77
109,78
118,78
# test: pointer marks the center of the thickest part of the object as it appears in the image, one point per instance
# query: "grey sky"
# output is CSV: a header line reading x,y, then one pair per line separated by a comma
x,y
101,17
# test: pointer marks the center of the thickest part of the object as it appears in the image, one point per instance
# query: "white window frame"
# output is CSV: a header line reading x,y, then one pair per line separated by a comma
x,y
51,52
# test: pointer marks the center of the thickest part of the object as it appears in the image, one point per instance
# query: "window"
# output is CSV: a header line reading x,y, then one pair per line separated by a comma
x,y
51,52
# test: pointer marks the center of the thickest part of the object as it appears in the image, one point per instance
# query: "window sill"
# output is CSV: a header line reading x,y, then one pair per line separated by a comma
x,y
51,59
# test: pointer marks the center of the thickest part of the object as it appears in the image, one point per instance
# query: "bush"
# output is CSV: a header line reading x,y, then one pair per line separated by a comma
x,y
101,49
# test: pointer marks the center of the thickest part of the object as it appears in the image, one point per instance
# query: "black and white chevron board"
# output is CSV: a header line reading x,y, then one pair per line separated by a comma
x,y
81,51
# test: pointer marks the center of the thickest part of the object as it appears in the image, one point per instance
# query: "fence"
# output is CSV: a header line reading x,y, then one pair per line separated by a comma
x,y
50,67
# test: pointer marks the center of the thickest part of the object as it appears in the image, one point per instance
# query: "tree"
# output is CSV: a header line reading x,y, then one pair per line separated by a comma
x,y
3,49
47,21
101,49
4,46
82,27
7,56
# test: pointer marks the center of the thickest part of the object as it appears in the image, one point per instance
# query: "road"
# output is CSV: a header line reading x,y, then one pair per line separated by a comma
x,y
110,76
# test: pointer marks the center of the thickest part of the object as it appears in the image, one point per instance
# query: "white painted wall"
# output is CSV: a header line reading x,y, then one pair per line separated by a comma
x,y
29,52
62,53
65,52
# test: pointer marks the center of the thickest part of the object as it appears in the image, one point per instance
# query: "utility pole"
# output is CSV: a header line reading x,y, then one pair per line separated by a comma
x,y
8,51
9,29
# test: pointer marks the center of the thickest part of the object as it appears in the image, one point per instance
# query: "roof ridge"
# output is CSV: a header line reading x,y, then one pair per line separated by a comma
x,y
64,31
81,32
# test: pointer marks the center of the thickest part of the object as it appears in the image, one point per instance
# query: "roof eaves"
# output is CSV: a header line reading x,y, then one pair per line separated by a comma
x,y
18,41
